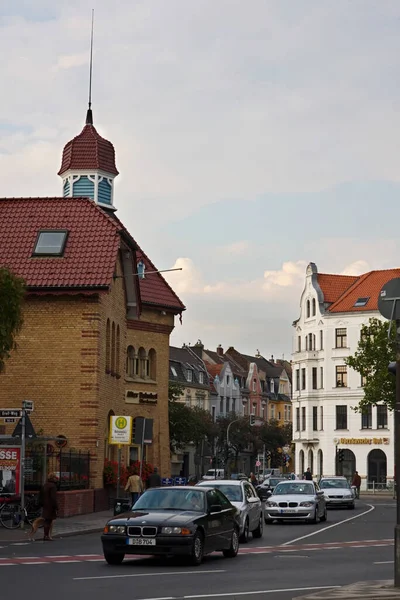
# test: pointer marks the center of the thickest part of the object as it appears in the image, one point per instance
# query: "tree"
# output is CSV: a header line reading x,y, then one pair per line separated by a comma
x,y
375,351
274,436
187,425
12,291
241,435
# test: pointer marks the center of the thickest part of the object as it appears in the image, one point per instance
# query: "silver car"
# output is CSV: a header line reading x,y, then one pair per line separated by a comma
x,y
243,496
298,500
337,492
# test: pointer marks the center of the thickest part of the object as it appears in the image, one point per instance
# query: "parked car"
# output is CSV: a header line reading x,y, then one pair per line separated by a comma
x,y
266,488
242,494
184,520
239,476
337,492
214,474
296,499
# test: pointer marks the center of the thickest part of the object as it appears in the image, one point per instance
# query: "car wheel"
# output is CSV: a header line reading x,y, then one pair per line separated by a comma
x,y
197,549
315,518
234,547
244,538
114,558
257,533
325,515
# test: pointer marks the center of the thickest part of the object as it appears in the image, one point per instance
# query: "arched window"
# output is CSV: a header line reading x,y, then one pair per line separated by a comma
x,y
130,361
152,364
113,348
118,352
314,307
142,363
308,309
301,463
311,460
108,347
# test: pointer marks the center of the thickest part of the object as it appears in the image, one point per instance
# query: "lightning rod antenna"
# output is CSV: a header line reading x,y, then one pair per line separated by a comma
x,y
89,115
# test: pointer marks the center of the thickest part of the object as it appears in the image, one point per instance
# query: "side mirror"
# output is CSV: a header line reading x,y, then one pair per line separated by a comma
x,y
215,508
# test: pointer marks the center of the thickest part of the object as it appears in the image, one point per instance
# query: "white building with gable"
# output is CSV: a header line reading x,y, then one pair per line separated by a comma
x,y
325,391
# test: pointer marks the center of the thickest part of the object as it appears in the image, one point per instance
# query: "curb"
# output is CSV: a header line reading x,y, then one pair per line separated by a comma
x,y
56,535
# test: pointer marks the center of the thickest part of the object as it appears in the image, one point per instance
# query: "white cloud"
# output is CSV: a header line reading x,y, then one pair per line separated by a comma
x,y
356,268
291,275
69,61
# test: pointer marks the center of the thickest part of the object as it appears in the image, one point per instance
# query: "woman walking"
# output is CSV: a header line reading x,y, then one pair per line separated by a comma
x,y
48,502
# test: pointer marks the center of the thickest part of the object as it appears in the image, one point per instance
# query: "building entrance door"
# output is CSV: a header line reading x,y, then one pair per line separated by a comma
x,y
377,468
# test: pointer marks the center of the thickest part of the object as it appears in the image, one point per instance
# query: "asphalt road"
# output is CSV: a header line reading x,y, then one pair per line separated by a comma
x,y
290,560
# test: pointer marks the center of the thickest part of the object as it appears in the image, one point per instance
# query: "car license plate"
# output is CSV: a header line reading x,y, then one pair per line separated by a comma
x,y
284,511
141,542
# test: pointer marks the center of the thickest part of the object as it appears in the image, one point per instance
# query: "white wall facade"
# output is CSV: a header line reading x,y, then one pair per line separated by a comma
x,y
315,388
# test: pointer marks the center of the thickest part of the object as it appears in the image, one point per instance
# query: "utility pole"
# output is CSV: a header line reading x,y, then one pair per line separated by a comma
x,y
22,474
389,307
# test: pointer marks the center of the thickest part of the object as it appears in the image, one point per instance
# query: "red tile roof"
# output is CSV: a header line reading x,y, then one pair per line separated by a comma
x,y
90,253
366,286
333,286
154,289
214,370
87,151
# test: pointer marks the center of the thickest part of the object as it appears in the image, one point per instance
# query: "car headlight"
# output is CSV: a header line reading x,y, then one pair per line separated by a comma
x,y
116,529
269,503
175,531
348,496
307,504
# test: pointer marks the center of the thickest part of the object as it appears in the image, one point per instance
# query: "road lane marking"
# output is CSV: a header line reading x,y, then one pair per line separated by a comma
x,y
303,537
252,593
384,562
149,574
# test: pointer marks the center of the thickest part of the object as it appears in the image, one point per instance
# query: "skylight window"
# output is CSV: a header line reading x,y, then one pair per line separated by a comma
x,y
361,302
50,242
174,373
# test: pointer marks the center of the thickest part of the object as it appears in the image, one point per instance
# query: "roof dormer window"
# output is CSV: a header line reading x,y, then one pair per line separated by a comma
x,y
361,301
50,242
201,377
189,375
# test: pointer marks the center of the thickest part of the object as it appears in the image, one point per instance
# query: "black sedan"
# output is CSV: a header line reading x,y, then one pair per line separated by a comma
x,y
266,489
171,521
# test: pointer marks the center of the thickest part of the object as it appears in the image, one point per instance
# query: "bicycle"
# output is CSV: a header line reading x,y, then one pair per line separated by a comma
x,y
12,513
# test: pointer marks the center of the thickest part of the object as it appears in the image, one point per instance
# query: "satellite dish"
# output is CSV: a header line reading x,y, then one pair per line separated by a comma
x,y
389,300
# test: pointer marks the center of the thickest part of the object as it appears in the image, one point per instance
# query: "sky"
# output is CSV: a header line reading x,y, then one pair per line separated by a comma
x,y
251,138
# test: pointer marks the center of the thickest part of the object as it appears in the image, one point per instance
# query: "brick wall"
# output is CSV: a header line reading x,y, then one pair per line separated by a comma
x,y
76,502
60,364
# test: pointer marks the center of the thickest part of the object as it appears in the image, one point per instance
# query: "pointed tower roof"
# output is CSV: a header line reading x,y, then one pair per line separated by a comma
x,y
88,150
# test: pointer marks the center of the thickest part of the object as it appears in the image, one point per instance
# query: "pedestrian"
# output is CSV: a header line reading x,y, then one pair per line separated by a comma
x,y
134,486
154,479
49,505
356,483
308,475
253,479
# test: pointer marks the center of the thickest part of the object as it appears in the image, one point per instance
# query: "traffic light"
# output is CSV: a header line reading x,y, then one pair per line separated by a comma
x,y
341,455
392,367
252,419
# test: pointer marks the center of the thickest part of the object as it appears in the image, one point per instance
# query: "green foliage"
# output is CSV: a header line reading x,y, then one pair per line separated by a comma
x,y
274,436
187,425
240,432
371,360
12,290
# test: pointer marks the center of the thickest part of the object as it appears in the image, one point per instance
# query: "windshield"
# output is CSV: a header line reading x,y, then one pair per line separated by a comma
x,y
334,484
234,493
294,488
167,499
273,481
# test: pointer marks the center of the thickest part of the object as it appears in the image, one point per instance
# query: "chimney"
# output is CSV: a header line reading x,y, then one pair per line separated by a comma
x,y
272,358
220,350
198,349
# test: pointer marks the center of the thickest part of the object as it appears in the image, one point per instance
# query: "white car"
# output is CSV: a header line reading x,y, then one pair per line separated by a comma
x,y
243,496
214,474
337,492
297,500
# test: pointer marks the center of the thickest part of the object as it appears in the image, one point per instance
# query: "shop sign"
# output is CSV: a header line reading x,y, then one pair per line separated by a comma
x,y
120,430
143,397
367,441
10,465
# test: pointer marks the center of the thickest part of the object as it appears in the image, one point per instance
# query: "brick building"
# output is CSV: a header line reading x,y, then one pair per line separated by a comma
x,y
97,314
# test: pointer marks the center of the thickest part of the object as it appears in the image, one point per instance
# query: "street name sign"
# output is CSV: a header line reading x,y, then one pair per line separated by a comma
x,y
10,413
7,420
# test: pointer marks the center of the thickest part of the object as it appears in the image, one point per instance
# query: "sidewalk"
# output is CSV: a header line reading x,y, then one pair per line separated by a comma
x,y
365,590
81,524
